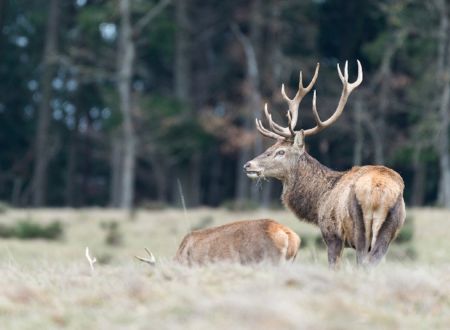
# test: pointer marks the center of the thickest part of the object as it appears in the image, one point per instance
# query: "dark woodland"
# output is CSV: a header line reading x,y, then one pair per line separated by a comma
x,y
138,103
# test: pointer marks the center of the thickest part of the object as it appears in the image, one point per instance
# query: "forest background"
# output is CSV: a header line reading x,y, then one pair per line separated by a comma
x,y
135,103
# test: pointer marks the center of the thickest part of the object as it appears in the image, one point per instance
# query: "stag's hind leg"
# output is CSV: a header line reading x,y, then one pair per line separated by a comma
x,y
360,236
335,245
388,231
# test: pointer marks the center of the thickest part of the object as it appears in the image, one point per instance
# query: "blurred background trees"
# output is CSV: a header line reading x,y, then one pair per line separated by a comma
x,y
136,102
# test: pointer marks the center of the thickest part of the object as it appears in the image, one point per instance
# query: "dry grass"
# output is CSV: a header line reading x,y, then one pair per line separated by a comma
x,y
48,285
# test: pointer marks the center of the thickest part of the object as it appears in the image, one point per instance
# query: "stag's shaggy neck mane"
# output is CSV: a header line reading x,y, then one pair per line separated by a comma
x,y
308,182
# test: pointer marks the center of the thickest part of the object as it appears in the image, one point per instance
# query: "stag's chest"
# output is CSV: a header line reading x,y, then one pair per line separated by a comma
x,y
306,204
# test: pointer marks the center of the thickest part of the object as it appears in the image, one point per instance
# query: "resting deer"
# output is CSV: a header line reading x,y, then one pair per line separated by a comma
x,y
362,208
246,242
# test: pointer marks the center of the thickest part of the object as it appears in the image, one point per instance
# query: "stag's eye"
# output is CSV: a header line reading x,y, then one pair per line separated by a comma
x,y
280,153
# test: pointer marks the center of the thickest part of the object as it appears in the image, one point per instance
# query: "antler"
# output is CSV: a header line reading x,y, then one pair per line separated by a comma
x,y
277,130
150,260
90,259
346,91
280,132
302,91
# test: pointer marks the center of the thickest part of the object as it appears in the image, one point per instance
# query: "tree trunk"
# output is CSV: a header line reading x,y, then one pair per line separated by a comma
x,y
3,11
359,134
271,73
39,180
191,175
72,163
243,182
252,100
182,54
71,188
253,75
16,191
418,185
116,171
444,156
195,179
126,54
161,180
383,82
216,189
69,193
443,71
372,129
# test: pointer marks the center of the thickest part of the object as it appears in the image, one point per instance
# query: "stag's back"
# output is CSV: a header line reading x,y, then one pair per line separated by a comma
x,y
245,242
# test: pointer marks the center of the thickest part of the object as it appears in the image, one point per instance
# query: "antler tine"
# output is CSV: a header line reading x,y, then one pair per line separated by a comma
x,y
344,78
150,260
278,129
302,91
314,78
315,113
347,88
266,132
358,80
91,260
289,124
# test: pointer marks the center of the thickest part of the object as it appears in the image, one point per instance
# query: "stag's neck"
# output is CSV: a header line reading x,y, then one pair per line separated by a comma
x,y
307,185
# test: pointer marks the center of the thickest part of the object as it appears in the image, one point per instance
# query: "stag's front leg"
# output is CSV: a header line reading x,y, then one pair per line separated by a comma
x,y
335,246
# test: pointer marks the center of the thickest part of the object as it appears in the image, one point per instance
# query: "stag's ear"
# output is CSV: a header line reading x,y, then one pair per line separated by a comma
x,y
299,140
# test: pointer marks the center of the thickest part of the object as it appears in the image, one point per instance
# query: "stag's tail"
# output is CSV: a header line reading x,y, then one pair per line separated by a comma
x,y
376,225
391,217
387,232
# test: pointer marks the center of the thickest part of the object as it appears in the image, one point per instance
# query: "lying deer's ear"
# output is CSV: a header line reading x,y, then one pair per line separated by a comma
x,y
299,139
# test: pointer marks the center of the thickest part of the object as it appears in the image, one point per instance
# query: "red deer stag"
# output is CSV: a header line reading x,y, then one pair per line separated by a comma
x,y
361,208
246,242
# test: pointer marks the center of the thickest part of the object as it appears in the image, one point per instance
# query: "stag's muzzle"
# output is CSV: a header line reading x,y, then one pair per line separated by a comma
x,y
252,171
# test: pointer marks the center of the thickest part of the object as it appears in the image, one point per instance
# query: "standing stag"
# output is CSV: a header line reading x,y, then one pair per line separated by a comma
x,y
361,208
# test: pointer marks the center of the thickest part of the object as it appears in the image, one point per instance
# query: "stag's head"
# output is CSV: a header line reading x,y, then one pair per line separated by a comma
x,y
278,160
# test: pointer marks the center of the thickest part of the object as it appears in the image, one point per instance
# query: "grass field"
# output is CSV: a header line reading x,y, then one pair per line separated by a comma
x,y
49,285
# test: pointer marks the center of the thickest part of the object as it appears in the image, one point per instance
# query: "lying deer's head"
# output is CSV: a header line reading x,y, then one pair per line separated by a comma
x,y
277,160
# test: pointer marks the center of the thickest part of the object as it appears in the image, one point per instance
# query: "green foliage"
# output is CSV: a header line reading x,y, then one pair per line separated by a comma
x,y
90,17
28,229
375,50
114,236
111,99
161,39
174,128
